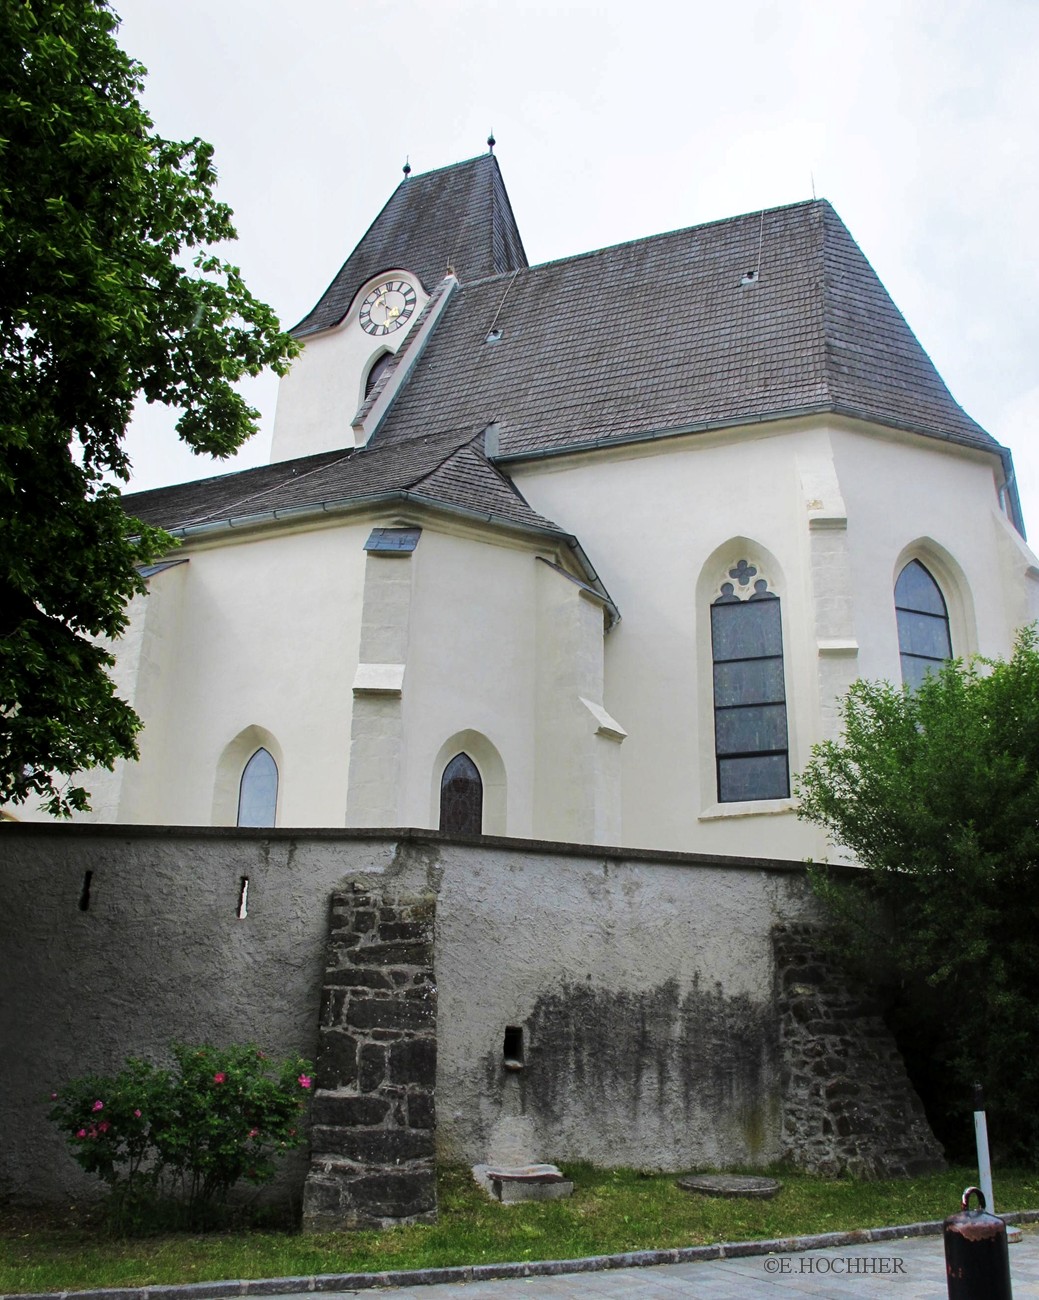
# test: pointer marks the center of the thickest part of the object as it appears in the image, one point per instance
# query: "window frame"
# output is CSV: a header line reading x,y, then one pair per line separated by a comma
x,y
931,619
270,804
473,778
737,592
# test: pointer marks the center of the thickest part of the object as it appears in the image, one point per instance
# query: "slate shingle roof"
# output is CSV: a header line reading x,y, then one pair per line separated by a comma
x,y
458,216
656,336
448,469
660,335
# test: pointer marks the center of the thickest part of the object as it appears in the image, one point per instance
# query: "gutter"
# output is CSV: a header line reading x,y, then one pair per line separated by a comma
x,y
357,504
734,422
1008,489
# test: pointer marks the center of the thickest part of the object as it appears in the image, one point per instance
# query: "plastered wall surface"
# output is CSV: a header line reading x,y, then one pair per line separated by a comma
x,y
829,510
643,992
318,398
642,983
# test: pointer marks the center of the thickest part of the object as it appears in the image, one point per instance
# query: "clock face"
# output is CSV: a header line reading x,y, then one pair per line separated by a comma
x,y
387,307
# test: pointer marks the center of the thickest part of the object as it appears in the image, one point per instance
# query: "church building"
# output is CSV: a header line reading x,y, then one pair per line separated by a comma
x,y
585,551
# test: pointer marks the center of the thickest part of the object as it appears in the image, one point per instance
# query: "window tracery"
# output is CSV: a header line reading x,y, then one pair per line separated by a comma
x,y
750,722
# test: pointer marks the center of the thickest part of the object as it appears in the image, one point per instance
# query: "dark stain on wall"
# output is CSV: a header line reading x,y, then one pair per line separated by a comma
x,y
694,1057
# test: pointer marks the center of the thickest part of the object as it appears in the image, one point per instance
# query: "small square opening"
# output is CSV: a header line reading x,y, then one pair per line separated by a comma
x,y
512,1050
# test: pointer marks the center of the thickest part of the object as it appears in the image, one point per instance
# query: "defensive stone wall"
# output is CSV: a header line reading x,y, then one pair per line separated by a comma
x,y
574,1002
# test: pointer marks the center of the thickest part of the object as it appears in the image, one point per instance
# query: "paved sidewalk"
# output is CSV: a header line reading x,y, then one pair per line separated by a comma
x,y
910,1269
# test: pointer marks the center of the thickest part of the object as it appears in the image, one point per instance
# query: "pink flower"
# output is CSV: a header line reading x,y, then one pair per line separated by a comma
x,y
82,1133
104,1126
304,1080
54,1096
219,1078
254,1132
98,1105
137,1114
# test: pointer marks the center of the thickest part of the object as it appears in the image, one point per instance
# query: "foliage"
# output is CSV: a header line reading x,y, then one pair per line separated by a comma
x,y
223,1114
936,793
108,293
612,1210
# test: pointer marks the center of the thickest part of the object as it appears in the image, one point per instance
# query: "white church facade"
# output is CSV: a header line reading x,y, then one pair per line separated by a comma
x,y
583,552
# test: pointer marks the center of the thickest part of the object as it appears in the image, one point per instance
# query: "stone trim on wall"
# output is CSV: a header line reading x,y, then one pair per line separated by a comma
x,y
374,1116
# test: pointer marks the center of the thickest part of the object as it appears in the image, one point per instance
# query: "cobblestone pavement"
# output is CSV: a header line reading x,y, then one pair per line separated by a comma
x,y
911,1269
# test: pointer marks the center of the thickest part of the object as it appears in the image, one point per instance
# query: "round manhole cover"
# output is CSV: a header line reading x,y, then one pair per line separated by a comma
x,y
730,1185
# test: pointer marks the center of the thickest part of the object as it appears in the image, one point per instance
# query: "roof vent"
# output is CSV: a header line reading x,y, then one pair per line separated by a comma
x,y
494,336
749,277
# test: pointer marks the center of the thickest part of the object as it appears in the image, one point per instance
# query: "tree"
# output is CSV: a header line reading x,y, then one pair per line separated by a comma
x,y
108,292
936,793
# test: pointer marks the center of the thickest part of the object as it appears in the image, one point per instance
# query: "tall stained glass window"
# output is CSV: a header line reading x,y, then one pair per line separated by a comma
x,y
923,623
461,797
750,731
258,793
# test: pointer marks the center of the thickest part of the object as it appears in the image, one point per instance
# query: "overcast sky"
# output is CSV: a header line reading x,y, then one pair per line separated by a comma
x,y
917,119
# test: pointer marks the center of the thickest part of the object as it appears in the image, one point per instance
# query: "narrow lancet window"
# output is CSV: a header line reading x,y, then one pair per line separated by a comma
x,y
258,793
923,624
461,797
750,728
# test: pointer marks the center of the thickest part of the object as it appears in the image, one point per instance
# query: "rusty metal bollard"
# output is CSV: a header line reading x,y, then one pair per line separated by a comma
x,y
977,1265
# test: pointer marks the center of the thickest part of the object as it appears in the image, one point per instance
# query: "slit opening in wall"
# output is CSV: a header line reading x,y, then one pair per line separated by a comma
x,y
84,893
512,1050
243,898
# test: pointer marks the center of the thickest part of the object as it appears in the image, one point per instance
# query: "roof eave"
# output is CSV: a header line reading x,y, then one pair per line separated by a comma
x,y
758,418
360,504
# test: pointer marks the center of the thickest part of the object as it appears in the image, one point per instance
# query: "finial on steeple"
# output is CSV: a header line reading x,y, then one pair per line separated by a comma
x,y
406,169
491,142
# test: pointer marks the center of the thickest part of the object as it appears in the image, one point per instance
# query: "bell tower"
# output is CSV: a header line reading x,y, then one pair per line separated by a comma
x,y
455,223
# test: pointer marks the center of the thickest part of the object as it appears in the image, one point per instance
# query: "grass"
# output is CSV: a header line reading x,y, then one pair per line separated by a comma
x,y
610,1211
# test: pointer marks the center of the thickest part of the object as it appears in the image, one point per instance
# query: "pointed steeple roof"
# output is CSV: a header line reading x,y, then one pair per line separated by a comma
x,y
458,216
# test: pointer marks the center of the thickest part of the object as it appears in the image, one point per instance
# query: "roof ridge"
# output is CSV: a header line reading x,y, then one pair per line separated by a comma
x,y
474,446
649,239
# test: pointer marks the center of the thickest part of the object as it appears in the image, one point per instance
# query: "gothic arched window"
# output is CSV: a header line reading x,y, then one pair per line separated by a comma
x,y
258,792
379,367
750,734
461,797
923,624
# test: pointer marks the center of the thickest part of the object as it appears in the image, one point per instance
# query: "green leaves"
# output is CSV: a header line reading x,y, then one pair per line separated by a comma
x,y
936,792
98,305
189,1133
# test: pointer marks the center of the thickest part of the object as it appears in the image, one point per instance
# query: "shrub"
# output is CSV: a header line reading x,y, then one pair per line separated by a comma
x,y
185,1135
936,793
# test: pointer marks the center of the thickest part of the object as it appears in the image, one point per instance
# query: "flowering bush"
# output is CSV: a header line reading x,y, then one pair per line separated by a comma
x,y
190,1133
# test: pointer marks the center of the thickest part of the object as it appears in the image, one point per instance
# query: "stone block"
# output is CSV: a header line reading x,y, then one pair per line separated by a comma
x,y
375,1146
371,1068
421,1110
414,1061
392,1194
393,954
404,932
381,1013
358,976
348,1110
336,1060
